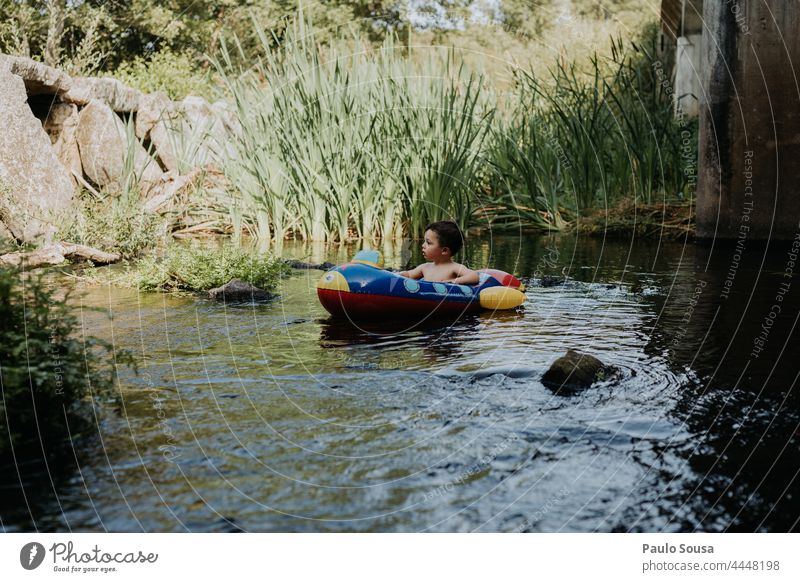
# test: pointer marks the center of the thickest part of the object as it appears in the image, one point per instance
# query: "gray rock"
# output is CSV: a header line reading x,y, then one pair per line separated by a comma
x,y
191,134
228,117
295,264
118,96
104,144
153,107
237,290
575,371
61,125
39,79
169,187
35,188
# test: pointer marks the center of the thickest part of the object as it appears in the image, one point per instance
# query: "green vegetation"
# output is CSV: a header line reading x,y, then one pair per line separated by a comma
x,y
46,368
115,221
368,143
95,38
586,139
378,142
366,120
197,268
115,224
177,74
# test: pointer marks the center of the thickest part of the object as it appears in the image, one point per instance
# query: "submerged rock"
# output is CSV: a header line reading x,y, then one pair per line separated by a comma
x,y
574,371
237,290
550,281
295,264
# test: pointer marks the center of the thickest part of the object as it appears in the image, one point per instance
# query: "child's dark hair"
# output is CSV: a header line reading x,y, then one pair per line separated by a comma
x,y
449,234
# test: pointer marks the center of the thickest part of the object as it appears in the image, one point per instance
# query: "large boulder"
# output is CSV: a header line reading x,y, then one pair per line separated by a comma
x,y
39,79
62,125
118,96
190,133
35,188
575,371
105,147
153,107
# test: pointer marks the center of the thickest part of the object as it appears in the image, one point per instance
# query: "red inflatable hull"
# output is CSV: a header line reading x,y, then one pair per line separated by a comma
x,y
365,305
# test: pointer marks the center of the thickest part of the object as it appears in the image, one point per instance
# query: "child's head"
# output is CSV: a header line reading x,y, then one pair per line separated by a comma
x,y
443,239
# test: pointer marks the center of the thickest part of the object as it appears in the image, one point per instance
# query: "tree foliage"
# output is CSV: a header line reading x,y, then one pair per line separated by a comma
x,y
89,36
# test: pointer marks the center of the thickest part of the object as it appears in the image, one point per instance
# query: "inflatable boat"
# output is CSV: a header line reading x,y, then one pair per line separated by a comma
x,y
363,289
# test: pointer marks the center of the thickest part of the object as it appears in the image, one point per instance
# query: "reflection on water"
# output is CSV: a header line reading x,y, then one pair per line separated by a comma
x,y
278,418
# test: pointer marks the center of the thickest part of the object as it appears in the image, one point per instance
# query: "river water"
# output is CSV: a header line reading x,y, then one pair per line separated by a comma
x,y
275,417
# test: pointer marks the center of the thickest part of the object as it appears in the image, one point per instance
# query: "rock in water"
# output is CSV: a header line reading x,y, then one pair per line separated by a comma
x,y
574,371
237,290
103,145
34,186
295,264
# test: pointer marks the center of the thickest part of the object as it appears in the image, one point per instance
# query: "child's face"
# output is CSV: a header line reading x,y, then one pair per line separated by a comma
x,y
431,249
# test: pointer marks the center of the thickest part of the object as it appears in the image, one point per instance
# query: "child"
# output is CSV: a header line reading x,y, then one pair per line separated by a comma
x,y
443,239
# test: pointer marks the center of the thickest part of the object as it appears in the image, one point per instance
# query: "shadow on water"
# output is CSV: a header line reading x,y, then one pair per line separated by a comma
x,y
734,322
276,417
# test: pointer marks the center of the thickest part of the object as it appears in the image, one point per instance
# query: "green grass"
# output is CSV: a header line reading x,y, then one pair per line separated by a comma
x,y
361,143
196,268
112,224
587,138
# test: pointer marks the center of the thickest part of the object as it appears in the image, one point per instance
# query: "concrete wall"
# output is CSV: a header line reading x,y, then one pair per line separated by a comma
x,y
749,150
687,75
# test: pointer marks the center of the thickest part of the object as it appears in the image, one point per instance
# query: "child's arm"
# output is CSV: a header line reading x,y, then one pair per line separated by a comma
x,y
465,276
412,274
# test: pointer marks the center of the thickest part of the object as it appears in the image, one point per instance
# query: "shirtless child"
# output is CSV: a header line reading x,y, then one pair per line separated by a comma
x,y
443,239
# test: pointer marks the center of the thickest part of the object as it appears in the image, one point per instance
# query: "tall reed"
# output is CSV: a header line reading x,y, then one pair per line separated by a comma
x,y
585,138
361,143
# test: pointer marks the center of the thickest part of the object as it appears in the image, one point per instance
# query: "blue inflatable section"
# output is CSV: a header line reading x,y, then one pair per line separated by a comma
x,y
372,280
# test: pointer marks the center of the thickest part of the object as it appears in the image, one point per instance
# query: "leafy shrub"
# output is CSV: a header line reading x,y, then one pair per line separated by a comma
x,y
113,224
193,268
177,74
46,369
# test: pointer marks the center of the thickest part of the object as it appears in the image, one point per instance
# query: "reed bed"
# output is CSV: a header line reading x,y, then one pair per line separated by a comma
x,y
589,138
363,142
359,143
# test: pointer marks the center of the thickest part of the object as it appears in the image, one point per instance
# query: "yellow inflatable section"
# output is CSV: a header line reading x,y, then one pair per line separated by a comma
x,y
501,298
334,281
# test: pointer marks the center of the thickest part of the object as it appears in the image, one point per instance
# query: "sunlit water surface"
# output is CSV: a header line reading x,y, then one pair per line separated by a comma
x,y
275,417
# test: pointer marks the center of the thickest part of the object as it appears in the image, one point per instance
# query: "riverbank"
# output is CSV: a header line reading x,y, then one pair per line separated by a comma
x,y
124,167
658,221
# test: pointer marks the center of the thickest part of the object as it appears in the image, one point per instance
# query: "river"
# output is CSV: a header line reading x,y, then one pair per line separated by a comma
x,y
276,417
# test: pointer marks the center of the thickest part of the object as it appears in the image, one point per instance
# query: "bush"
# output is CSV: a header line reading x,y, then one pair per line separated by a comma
x,y
177,74
46,370
197,269
113,224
